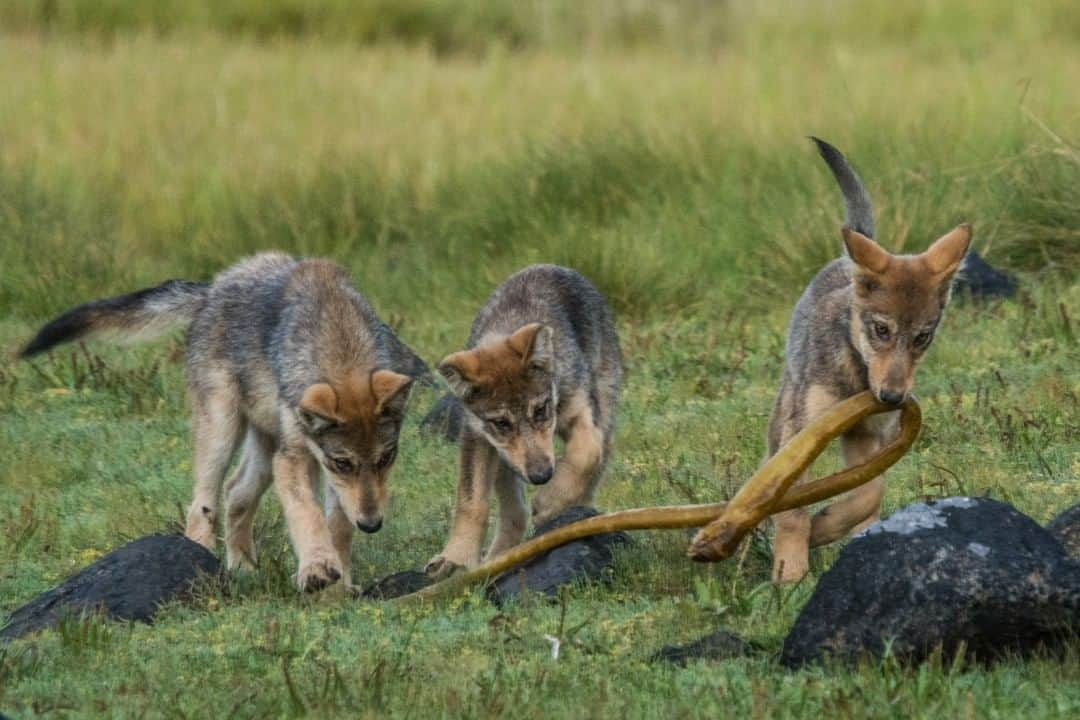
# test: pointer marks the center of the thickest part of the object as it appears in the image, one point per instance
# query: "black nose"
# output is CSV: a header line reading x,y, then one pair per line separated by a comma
x,y
891,397
369,527
539,477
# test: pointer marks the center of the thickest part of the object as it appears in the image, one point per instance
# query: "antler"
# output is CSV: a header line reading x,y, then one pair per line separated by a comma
x,y
769,491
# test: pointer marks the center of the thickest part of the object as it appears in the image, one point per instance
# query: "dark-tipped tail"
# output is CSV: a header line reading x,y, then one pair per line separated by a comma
x,y
139,315
860,212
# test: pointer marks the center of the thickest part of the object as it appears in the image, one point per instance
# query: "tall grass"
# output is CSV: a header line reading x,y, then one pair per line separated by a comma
x,y
671,180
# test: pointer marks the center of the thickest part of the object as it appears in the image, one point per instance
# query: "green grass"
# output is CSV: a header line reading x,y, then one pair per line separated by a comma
x,y
659,148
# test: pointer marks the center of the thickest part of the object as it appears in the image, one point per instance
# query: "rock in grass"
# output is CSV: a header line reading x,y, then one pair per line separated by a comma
x,y
1066,528
587,558
719,645
979,280
960,571
127,584
396,585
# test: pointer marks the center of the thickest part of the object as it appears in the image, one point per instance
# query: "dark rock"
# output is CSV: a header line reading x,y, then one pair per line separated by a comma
x,y
127,584
444,420
980,280
587,558
969,571
720,645
1066,528
396,585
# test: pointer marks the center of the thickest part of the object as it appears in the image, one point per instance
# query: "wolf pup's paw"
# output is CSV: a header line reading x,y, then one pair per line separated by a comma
x,y
318,572
439,568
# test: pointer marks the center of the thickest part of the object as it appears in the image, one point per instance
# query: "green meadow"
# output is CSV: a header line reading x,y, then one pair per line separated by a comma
x,y
434,147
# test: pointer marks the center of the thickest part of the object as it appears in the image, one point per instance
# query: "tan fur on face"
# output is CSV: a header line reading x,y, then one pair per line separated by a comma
x,y
501,379
906,293
358,406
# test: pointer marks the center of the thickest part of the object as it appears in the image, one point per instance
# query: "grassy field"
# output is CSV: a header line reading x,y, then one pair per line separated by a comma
x,y
433,148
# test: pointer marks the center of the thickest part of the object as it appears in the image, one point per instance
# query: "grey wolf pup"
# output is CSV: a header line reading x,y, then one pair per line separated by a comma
x,y
863,323
286,356
543,359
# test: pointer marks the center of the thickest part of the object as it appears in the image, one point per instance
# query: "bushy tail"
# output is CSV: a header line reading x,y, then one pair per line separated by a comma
x,y
136,316
860,213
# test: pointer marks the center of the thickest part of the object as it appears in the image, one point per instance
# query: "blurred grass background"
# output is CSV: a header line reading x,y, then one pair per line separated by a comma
x,y
434,147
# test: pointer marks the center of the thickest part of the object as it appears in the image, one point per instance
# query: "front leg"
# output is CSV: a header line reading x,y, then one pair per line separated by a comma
x,y
577,472
858,508
513,513
341,534
479,465
791,544
295,472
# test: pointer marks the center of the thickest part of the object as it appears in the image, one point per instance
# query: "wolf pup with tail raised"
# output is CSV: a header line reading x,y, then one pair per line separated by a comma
x,y
864,322
543,360
286,356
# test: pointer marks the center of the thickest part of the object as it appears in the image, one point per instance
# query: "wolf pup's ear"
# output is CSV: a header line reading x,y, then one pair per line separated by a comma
x,y
317,408
391,391
948,251
864,252
456,371
533,342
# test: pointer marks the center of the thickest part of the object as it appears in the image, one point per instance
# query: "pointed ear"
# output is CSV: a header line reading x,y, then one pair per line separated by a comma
x,y
317,408
948,251
533,343
456,369
391,391
864,252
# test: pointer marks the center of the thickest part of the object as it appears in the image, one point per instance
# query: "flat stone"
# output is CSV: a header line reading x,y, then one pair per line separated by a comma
x,y
969,572
1066,528
585,559
130,583
396,585
978,280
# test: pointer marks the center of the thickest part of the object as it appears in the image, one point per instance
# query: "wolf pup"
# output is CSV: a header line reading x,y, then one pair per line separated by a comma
x,y
864,322
285,355
543,359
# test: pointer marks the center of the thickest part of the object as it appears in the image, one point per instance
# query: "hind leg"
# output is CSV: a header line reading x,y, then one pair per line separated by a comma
x,y
578,472
242,495
216,430
513,512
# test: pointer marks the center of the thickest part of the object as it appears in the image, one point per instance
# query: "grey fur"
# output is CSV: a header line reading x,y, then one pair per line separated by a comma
x,y
543,360
266,332
586,346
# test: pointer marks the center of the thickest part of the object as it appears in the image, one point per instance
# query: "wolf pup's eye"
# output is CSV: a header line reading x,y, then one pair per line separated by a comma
x,y
500,425
881,331
343,466
923,339
542,411
386,459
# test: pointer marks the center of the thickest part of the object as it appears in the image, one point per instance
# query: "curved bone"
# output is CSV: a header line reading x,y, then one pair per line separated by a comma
x,y
769,491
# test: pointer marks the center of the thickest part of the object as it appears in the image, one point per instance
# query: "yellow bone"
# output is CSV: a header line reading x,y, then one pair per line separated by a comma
x,y
769,491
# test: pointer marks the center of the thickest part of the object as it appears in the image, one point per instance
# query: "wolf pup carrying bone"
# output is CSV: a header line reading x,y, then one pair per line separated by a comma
x,y
864,322
543,359
285,355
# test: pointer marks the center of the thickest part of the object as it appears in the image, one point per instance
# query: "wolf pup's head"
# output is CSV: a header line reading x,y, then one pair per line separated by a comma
x,y
352,427
897,304
508,390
